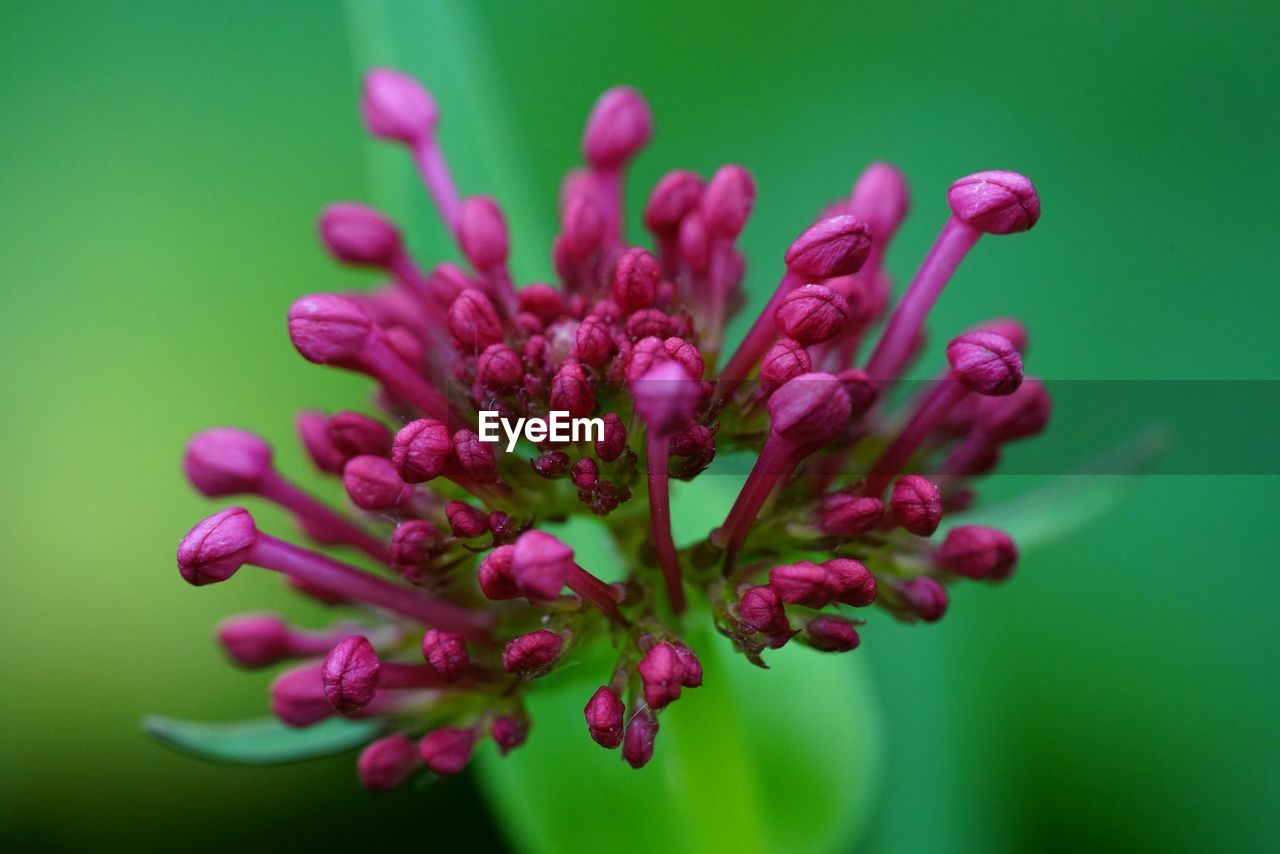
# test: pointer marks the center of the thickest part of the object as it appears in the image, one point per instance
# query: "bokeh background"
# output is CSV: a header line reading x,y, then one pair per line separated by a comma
x,y
160,168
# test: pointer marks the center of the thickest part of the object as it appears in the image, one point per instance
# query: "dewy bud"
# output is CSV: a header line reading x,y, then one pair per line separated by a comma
x,y
802,583
532,654
917,504
395,106
810,408
386,763
447,750
585,474
813,314
614,442
421,450
850,582
837,246
552,465
445,652
350,675
986,363
673,197
541,564
329,329
358,234
214,549
226,461
619,126
482,233
923,597
728,200
604,714
661,674
372,482
832,634
666,398
844,515
977,552
641,732
995,202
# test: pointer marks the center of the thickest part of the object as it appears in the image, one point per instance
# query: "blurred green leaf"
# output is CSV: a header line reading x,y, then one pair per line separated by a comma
x,y
265,741
754,760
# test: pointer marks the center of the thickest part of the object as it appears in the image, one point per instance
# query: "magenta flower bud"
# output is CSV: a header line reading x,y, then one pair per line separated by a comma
x,y
881,199
648,322
482,233
813,314
447,750
802,583
761,611
680,350
396,107
386,763
541,564
637,747
473,322
844,515
497,580
862,391
586,474
666,398
995,202
214,549
694,243
594,344
986,363
635,280
509,732
582,227
448,281
917,504
692,677
810,408
977,552
329,329
728,200
226,461
313,430
421,450
446,653
673,197
614,442
605,713
923,597
1010,328
466,522
832,634
372,482
837,246
413,543
354,434
298,696
358,234
661,674
571,391
503,527
474,457
785,360
543,300
350,675
645,355
499,368
850,582
1023,413
554,464
619,126
532,654
255,640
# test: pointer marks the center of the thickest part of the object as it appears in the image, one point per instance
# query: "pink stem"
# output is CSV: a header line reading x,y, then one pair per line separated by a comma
x,y
894,347
435,174
395,675
757,341
668,255
718,294
660,520
595,591
280,491
776,462
608,183
940,400
347,581
392,371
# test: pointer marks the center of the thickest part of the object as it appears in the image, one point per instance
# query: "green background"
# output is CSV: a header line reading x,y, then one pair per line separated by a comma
x,y
160,168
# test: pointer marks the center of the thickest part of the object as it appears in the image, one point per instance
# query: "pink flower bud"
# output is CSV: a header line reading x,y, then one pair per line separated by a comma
x,y
697,445
499,368
482,233
446,653
666,398
832,634
637,748
761,611
692,677
298,697
673,197
543,300
862,391
593,343
802,583
214,549
604,714
413,543
661,673
226,461
813,314
313,430
850,582
473,323
810,408
837,246
504,528
509,732
448,282
372,482
447,750
497,580
728,200
466,522
635,280
648,322
986,363
474,457
614,442
532,654
977,552
881,199
357,234
571,391
386,763
1010,328
329,329
585,475
396,107
350,675
694,243
541,564
255,640
1020,415
354,434
421,450
844,515
681,351
582,227
917,504
995,202
553,464
923,597
785,360
619,126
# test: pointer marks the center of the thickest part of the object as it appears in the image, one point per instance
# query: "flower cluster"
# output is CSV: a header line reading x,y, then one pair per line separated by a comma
x,y
458,598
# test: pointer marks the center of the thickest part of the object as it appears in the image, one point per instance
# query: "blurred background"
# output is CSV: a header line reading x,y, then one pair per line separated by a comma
x,y
161,165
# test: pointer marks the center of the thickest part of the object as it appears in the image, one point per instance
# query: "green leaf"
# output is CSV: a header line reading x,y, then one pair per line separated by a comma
x,y
265,741
780,760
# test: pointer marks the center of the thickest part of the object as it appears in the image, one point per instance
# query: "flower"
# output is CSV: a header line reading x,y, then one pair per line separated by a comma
x,y
458,596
